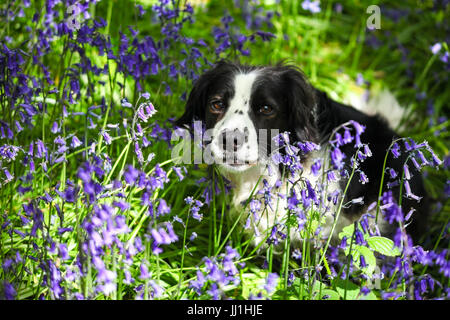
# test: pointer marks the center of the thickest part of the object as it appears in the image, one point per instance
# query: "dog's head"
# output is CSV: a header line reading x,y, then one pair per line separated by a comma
x,y
243,107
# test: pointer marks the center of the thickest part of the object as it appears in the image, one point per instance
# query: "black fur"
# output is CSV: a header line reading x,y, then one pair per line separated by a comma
x,y
378,135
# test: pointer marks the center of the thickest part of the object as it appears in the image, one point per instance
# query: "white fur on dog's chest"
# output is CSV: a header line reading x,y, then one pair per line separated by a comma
x,y
244,183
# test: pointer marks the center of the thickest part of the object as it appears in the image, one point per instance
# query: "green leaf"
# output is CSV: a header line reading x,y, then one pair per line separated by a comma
x,y
347,231
343,286
369,296
369,257
384,246
328,294
321,291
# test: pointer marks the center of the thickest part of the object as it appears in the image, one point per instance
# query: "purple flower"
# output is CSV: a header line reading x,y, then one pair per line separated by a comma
x,y
392,212
9,152
392,173
195,213
126,104
8,176
75,142
297,254
271,282
63,251
9,291
107,137
359,79
131,175
343,243
163,208
347,137
122,205
178,172
189,200
436,48
214,292
363,178
307,146
198,283
337,158
362,261
445,269
315,168
146,111
313,6
255,205
144,271
195,208
331,176
359,237
359,130
162,237
395,150
409,193
365,290
55,129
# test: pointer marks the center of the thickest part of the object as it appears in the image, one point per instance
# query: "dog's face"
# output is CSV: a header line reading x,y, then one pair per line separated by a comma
x,y
244,107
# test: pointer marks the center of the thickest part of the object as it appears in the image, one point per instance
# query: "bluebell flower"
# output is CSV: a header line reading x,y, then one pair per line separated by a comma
x,y
363,178
392,173
395,150
214,292
9,291
163,208
343,243
297,254
144,271
189,200
362,261
392,212
436,48
271,282
365,290
106,137
359,237
198,283
347,136
64,254
315,168
409,193
331,176
337,158
312,6
178,172
131,175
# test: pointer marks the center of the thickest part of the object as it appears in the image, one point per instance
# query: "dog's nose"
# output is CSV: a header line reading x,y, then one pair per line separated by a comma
x,y
232,140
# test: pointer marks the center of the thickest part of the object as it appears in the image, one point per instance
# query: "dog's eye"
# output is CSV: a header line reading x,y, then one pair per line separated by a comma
x,y
216,106
265,110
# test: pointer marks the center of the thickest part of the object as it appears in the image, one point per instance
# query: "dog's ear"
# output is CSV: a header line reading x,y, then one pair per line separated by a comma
x,y
301,102
194,109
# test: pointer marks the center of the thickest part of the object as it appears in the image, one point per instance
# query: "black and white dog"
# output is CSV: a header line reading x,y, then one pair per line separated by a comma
x,y
236,101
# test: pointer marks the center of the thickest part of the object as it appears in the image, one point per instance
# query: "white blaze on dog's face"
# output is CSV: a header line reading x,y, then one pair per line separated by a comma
x,y
234,144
